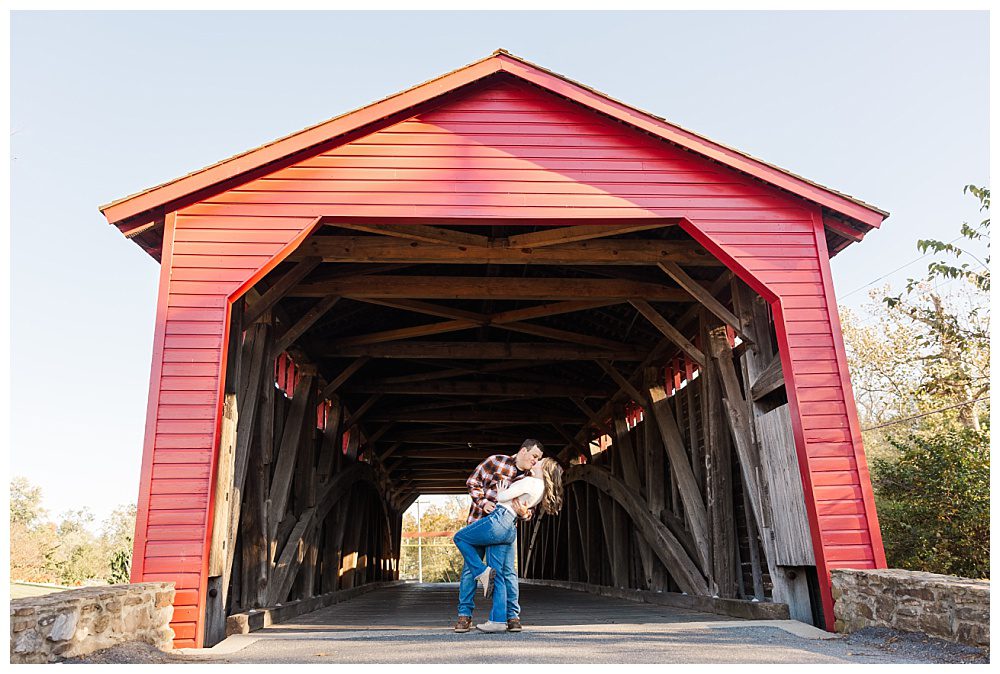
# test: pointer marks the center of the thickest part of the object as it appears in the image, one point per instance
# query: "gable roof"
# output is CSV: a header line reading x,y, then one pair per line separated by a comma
x,y
141,213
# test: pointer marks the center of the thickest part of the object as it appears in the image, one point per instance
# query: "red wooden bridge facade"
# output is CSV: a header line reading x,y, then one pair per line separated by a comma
x,y
498,143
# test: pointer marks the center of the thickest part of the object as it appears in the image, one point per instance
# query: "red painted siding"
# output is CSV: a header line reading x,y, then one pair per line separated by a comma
x,y
505,151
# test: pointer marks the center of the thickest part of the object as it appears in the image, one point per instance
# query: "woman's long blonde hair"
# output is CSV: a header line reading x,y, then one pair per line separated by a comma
x,y
552,498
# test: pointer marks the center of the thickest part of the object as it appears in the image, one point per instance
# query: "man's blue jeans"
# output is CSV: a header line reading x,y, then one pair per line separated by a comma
x,y
493,535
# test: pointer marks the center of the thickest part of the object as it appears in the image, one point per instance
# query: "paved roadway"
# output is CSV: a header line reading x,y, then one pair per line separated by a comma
x,y
411,623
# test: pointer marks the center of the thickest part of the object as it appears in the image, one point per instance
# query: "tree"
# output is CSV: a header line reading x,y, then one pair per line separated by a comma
x,y
442,562
921,374
67,552
954,342
33,542
25,502
117,536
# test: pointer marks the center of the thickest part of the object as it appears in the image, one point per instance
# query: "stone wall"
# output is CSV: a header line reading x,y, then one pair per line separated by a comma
x,y
946,607
77,622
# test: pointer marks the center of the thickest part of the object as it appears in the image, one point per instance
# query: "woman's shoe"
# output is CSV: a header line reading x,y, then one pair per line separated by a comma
x,y
485,578
490,626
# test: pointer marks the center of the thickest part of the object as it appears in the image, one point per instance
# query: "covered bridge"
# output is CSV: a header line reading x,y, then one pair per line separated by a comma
x,y
360,312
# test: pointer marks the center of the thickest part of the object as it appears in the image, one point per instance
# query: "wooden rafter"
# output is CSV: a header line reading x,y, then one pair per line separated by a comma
x,y
623,383
484,388
485,351
674,271
634,252
498,288
660,539
425,233
293,333
509,320
475,417
668,331
280,289
341,378
694,504
574,233
359,413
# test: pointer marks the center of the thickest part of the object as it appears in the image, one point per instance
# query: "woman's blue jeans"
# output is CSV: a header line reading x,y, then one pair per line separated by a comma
x,y
495,534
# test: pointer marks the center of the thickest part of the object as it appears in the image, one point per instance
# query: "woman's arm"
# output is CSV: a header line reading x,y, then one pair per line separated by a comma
x,y
514,490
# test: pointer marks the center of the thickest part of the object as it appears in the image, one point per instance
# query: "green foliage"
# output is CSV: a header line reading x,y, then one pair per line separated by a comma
x,y
121,566
934,504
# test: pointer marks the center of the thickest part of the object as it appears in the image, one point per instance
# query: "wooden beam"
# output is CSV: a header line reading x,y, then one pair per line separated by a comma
x,y
476,417
624,384
660,539
719,494
632,252
574,233
424,233
598,423
841,228
397,334
484,388
544,310
485,351
694,504
343,377
389,452
770,379
464,437
501,288
674,271
668,331
357,415
280,289
561,335
737,413
428,308
282,481
303,324
463,320
223,504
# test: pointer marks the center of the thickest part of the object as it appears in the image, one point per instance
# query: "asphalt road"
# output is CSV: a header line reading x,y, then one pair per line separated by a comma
x,y
412,624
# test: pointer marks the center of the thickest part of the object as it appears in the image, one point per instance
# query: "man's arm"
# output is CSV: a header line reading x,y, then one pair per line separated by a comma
x,y
477,485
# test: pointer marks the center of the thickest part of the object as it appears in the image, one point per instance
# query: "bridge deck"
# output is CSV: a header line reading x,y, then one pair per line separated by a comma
x,y
412,623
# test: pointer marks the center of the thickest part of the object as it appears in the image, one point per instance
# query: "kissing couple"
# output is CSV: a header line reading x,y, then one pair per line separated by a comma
x,y
503,488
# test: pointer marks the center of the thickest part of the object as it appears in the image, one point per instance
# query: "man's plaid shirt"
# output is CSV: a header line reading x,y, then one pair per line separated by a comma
x,y
484,483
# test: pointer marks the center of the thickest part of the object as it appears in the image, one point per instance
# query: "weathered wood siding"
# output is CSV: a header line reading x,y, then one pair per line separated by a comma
x,y
503,151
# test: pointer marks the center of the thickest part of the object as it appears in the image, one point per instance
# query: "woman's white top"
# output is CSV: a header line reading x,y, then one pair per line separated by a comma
x,y
529,489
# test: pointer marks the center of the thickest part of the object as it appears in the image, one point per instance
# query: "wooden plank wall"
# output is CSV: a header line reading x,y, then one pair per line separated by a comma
x,y
505,150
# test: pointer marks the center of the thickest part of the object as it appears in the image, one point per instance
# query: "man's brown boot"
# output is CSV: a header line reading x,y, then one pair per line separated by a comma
x,y
464,623
513,624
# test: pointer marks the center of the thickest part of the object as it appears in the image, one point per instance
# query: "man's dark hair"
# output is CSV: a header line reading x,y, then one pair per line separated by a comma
x,y
531,444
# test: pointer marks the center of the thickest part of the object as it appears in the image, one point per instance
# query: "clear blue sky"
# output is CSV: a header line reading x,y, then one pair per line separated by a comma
x,y
889,107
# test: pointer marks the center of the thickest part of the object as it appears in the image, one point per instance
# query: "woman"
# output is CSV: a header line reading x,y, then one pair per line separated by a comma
x,y
542,485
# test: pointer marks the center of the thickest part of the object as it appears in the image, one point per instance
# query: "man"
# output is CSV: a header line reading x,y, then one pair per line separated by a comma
x,y
490,476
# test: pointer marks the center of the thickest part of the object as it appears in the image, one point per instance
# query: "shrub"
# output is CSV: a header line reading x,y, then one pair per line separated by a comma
x,y
934,503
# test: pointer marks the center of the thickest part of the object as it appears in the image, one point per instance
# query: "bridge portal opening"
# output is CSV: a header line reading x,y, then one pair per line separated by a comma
x,y
381,362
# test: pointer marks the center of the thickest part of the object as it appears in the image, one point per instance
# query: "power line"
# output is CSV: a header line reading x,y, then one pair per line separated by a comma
x,y
857,290
925,414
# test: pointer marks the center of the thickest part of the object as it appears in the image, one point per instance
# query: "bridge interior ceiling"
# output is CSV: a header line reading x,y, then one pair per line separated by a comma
x,y
458,361
438,346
